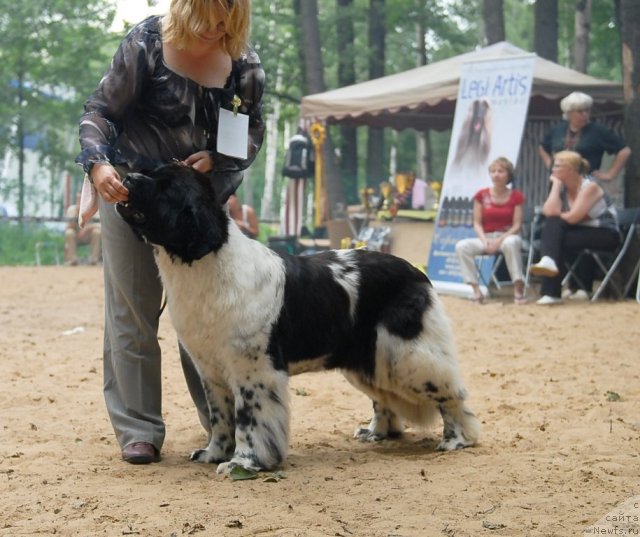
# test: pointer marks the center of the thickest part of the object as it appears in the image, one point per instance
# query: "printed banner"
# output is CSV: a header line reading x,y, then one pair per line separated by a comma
x,y
490,113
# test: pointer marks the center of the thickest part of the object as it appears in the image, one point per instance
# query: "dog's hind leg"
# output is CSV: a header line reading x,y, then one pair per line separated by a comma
x,y
221,424
262,421
461,428
439,388
384,424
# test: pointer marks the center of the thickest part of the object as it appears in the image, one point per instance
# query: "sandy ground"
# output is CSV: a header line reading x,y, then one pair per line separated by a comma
x,y
556,453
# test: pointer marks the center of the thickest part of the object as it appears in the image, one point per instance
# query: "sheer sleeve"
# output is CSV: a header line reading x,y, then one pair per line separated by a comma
x,y
227,171
118,91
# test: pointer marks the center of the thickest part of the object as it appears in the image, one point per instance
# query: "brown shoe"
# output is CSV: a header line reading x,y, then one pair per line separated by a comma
x,y
140,453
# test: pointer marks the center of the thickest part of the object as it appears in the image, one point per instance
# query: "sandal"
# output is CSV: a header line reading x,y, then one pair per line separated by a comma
x,y
520,300
477,299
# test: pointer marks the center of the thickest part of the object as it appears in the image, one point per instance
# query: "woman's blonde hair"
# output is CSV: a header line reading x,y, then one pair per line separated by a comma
x,y
187,19
574,160
506,164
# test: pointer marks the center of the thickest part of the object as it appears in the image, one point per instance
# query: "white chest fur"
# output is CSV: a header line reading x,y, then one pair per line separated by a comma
x,y
226,301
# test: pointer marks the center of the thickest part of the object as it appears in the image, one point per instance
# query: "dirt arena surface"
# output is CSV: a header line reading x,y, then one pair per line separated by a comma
x,y
556,390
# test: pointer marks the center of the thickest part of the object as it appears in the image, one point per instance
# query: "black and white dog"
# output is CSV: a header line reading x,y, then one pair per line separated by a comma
x,y
249,318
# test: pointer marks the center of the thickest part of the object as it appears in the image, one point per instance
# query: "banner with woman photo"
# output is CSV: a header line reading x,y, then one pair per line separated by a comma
x,y
491,109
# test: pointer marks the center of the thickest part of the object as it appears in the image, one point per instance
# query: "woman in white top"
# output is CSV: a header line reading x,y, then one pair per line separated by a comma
x,y
578,215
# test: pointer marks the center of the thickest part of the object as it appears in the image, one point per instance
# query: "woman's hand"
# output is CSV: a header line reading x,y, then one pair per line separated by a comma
x,y
108,183
492,246
555,181
200,161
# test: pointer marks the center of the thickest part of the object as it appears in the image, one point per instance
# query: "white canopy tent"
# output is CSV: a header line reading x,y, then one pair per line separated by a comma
x,y
425,97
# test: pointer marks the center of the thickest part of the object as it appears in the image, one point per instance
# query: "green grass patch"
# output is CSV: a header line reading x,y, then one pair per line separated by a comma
x,y
18,243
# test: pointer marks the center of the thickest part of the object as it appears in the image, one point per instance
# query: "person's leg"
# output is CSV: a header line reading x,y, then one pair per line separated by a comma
x,y
196,389
132,368
70,241
511,249
467,250
577,238
551,240
95,244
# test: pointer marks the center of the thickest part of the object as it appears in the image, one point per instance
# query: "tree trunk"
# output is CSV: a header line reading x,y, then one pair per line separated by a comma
x,y
581,40
271,143
21,149
346,77
493,16
314,81
630,37
546,29
311,46
423,145
375,139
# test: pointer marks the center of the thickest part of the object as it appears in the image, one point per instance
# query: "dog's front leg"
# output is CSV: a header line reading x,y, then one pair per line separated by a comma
x,y
220,402
262,421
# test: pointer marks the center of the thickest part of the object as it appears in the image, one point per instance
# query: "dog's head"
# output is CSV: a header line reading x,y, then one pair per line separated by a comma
x,y
175,207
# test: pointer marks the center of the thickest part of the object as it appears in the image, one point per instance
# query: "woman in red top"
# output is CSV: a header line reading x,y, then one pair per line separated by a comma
x,y
497,219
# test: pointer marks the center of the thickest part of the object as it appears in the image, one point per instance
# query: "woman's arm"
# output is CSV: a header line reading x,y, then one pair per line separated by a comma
x,y
227,171
618,163
477,221
553,204
516,224
586,198
116,94
546,157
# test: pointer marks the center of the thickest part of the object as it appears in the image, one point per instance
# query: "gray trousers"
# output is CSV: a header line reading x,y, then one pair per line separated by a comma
x,y
132,357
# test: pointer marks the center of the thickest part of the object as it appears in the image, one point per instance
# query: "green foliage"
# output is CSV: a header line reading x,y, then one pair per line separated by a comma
x,y
18,243
51,57
518,17
604,44
53,52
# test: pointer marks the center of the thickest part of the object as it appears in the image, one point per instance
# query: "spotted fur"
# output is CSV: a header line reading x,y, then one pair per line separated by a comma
x,y
249,318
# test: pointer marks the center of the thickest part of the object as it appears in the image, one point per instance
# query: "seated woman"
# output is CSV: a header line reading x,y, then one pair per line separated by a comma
x,y
497,219
244,216
578,215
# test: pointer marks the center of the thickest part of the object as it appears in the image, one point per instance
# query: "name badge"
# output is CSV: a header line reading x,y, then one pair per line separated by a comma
x,y
233,133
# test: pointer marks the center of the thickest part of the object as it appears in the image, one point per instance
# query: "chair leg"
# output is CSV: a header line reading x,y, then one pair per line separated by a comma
x,y
632,279
607,278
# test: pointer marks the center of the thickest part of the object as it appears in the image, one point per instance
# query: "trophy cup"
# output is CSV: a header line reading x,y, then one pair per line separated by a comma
x,y
386,189
436,187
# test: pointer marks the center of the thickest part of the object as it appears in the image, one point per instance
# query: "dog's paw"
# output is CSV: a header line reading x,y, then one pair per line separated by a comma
x,y
245,463
451,444
204,456
365,434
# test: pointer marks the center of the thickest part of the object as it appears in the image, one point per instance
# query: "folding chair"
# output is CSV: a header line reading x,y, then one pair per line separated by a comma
x,y
609,261
533,243
489,264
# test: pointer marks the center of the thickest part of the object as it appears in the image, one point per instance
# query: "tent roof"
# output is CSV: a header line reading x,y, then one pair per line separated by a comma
x,y
425,97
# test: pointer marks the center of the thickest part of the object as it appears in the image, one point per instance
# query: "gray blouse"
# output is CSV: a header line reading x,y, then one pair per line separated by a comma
x,y
603,212
143,114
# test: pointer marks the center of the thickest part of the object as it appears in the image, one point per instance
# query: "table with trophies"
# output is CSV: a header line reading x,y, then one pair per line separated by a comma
x,y
398,217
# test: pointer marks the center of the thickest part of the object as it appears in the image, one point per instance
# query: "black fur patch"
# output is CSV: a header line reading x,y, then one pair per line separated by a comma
x,y
391,293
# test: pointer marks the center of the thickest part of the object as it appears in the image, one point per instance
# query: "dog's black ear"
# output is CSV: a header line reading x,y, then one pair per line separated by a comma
x,y
202,232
